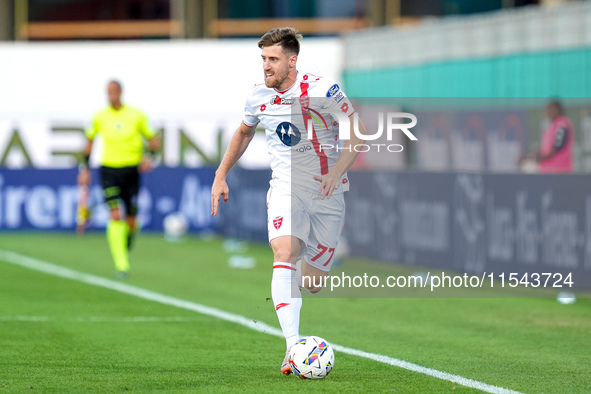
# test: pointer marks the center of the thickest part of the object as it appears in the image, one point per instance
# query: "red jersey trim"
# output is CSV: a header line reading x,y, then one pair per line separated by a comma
x,y
317,147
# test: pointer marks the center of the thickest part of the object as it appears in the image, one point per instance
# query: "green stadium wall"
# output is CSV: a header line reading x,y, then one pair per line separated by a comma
x,y
538,74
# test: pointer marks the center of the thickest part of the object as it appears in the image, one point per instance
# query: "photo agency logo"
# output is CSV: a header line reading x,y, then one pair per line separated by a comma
x,y
339,118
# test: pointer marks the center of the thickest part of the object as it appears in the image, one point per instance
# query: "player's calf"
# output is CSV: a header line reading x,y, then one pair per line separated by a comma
x,y
313,279
313,283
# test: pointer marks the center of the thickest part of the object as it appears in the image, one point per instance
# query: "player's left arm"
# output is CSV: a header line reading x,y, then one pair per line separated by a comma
x,y
154,145
329,182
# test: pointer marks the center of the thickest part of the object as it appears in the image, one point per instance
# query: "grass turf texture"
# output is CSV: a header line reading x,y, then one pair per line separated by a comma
x,y
89,341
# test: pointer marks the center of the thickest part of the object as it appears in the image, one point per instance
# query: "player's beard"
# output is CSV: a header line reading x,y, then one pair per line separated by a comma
x,y
279,76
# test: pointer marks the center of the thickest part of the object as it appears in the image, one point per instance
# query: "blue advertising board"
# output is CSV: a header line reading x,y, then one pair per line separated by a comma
x,y
47,199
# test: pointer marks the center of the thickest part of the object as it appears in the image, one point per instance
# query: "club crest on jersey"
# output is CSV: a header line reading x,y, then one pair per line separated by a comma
x,y
277,222
282,101
288,134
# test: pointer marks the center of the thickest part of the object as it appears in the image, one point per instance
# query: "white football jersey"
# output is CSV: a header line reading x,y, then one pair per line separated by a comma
x,y
296,158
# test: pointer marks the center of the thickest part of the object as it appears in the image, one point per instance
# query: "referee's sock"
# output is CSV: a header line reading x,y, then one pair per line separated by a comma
x,y
131,231
117,231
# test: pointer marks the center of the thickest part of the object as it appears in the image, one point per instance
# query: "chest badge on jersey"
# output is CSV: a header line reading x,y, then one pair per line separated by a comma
x,y
288,134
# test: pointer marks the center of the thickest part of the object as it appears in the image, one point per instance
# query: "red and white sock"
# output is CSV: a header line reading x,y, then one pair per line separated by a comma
x,y
287,300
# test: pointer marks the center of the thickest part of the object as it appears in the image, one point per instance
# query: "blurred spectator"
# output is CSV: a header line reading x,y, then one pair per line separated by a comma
x,y
556,150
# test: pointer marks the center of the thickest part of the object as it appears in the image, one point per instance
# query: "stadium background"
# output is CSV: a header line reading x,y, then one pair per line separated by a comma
x,y
193,91
455,200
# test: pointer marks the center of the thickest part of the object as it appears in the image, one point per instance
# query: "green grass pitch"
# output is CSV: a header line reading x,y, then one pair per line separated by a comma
x,y
59,335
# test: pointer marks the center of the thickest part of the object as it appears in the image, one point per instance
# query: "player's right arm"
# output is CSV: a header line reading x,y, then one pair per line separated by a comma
x,y
236,148
84,175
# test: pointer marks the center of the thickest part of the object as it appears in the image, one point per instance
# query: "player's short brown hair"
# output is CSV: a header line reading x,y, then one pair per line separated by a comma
x,y
288,37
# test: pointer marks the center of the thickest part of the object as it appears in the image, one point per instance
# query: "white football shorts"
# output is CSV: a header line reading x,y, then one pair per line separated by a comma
x,y
318,223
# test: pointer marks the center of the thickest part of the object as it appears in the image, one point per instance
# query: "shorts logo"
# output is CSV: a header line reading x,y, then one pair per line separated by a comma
x,y
288,134
333,90
277,222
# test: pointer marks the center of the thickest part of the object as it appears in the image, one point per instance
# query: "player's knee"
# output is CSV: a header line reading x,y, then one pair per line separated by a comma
x,y
115,214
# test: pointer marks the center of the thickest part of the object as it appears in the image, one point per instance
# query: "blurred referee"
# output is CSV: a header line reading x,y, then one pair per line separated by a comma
x,y
124,130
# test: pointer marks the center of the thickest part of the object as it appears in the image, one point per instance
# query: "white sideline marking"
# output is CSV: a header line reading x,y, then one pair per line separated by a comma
x,y
57,270
25,318
100,319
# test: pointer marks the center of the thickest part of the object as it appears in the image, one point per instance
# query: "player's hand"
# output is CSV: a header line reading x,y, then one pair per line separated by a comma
x,y
145,166
328,183
84,177
532,156
218,189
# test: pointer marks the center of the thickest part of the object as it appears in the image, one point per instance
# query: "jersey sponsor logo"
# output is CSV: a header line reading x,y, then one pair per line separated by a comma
x,y
303,149
277,222
282,101
288,134
334,89
339,97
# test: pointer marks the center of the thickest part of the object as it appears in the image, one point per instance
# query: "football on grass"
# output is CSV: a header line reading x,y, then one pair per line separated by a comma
x,y
311,358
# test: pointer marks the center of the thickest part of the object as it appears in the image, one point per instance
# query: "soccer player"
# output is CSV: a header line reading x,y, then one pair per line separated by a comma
x,y
556,150
305,202
123,129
